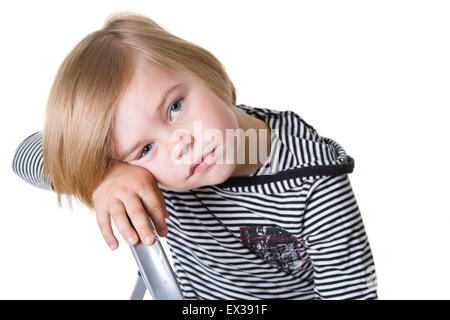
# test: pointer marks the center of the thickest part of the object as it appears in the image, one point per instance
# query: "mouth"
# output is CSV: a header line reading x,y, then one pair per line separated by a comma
x,y
206,162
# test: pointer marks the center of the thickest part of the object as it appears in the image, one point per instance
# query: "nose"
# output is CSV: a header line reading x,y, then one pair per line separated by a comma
x,y
186,145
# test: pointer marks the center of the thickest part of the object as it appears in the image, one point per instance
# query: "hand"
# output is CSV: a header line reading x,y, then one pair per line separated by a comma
x,y
124,194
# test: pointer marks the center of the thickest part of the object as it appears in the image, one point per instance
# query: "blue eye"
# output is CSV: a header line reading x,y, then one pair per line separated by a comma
x,y
145,150
177,103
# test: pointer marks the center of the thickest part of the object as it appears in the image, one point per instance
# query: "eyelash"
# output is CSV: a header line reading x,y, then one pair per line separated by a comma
x,y
182,109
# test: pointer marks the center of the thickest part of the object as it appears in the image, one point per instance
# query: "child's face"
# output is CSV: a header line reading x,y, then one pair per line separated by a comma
x,y
168,141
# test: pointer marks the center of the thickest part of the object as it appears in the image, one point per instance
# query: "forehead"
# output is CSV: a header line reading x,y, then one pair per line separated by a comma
x,y
150,79
147,86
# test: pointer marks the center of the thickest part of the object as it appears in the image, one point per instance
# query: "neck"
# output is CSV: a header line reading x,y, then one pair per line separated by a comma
x,y
247,122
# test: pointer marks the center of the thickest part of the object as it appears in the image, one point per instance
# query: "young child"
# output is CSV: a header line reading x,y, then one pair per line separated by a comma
x,y
284,225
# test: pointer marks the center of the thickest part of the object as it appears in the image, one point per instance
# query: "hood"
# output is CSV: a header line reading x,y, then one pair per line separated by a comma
x,y
297,153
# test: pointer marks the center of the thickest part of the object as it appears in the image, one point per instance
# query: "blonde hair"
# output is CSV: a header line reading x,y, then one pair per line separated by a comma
x,y
77,143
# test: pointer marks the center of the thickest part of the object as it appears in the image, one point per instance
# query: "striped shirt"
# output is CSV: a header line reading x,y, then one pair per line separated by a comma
x,y
290,230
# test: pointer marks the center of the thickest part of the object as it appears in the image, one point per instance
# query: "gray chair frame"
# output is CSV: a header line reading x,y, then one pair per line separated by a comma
x,y
155,272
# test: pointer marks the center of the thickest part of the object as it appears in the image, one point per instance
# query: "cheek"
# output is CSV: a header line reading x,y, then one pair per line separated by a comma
x,y
218,116
158,170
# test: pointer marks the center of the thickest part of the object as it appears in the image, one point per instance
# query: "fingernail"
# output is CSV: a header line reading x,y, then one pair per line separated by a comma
x,y
131,240
148,240
112,246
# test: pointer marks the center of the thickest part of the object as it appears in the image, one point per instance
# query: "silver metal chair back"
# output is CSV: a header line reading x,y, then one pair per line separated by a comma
x,y
155,272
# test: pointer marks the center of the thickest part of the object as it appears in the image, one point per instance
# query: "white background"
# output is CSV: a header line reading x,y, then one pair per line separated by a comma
x,y
372,75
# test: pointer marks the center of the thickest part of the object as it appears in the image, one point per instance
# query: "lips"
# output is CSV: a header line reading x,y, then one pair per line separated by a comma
x,y
200,162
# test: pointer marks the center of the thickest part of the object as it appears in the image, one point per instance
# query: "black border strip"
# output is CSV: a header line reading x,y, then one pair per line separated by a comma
x,y
325,170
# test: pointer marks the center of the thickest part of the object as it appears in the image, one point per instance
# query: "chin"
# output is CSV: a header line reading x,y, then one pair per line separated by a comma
x,y
223,174
219,174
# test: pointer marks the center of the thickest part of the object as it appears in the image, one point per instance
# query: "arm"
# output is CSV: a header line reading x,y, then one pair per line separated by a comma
x,y
335,240
123,194
28,161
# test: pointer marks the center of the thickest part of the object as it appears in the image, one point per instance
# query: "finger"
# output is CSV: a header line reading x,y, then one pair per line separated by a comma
x,y
122,223
104,223
154,203
139,218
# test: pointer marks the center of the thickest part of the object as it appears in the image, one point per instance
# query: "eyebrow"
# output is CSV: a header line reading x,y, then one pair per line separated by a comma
x,y
161,103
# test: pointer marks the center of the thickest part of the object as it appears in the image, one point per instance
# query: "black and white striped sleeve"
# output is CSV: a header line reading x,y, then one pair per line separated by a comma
x,y
28,161
336,242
